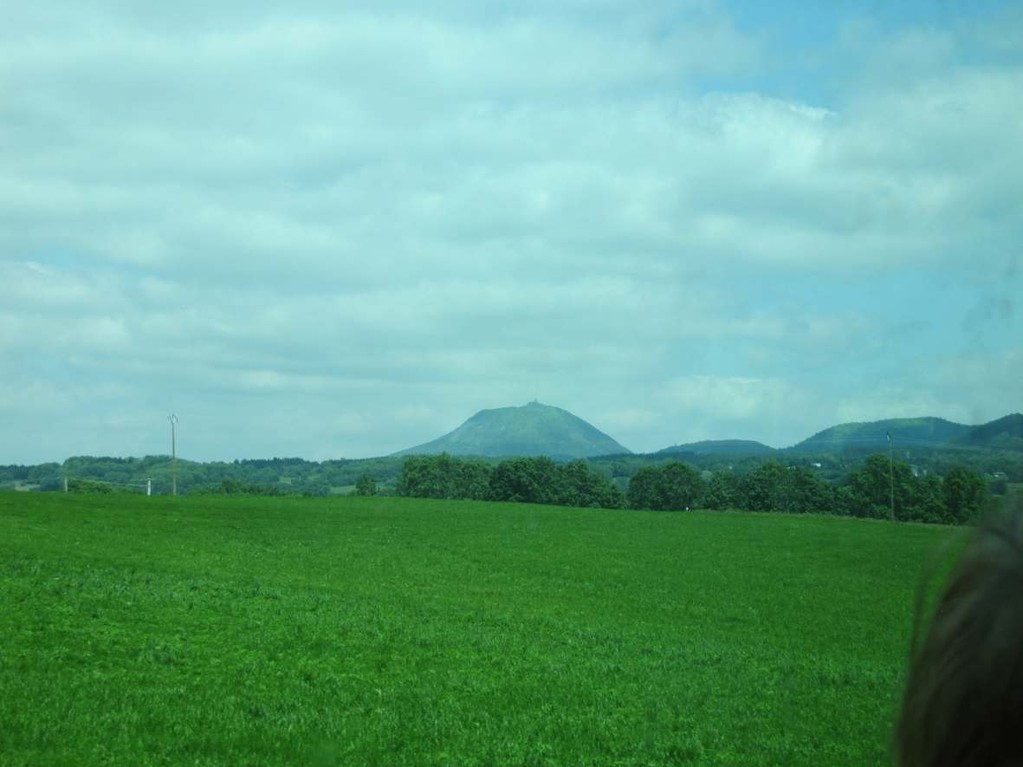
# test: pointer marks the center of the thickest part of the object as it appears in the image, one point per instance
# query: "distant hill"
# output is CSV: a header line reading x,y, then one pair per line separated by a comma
x,y
719,447
532,429
905,432
1002,434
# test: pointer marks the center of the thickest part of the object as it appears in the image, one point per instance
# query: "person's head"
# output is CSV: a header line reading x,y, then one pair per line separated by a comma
x,y
963,704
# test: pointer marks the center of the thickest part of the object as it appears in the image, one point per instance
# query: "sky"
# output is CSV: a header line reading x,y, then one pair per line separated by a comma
x,y
337,230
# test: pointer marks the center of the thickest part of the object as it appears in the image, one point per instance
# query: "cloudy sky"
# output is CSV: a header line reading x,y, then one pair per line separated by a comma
x,y
327,229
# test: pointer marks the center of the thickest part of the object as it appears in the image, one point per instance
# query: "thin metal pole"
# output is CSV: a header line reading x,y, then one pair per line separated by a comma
x,y
174,457
891,476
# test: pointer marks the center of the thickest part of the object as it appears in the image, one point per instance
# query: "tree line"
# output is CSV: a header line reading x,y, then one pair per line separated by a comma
x,y
873,489
947,493
518,480
876,488
263,476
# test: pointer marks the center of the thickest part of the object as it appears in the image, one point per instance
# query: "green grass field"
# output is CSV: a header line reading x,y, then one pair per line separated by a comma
x,y
269,631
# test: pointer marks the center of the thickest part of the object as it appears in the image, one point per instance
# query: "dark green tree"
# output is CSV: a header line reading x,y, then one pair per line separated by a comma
x,y
526,480
471,480
871,486
673,486
964,493
928,504
89,487
763,488
366,485
643,490
427,476
723,491
802,492
583,487
682,486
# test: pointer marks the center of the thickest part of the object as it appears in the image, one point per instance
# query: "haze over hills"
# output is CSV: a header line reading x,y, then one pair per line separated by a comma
x,y
537,429
532,429
866,437
933,433
719,447
995,447
1002,434
905,432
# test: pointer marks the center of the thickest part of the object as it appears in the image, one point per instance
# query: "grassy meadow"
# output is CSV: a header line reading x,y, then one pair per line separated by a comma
x,y
388,631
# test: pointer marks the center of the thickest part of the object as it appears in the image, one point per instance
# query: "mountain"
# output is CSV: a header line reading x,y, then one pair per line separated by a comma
x,y
872,436
1002,434
532,429
719,447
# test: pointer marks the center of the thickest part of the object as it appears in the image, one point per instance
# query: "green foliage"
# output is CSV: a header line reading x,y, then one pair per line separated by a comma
x,y
441,476
583,487
366,485
928,501
832,467
672,486
842,485
290,475
763,488
234,487
89,487
422,476
772,487
955,499
872,487
471,480
964,493
723,491
805,493
526,480
520,480
390,631
866,492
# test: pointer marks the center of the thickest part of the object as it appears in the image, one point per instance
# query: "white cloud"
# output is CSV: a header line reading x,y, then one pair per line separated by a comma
x,y
415,215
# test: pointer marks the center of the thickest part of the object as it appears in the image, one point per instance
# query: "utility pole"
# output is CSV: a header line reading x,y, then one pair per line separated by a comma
x,y
891,476
174,456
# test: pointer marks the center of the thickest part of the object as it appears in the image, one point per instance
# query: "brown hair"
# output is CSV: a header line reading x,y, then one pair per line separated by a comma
x,y
963,704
